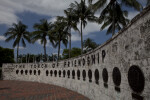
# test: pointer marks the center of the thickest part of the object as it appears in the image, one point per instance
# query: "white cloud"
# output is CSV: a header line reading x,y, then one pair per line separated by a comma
x,y
53,19
9,8
91,27
2,38
75,37
39,42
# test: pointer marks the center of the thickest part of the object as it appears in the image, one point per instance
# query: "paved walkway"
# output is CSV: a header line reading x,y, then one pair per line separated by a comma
x,y
19,90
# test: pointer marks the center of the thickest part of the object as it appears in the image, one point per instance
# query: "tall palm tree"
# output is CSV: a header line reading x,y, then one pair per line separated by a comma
x,y
114,17
42,32
84,14
18,32
70,21
131,3
61,34
114,5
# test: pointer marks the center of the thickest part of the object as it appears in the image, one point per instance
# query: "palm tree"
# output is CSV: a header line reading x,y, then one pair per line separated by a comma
x,y
131,3
114,17
18,32
84,14
42,32
113,5
61,34
70,21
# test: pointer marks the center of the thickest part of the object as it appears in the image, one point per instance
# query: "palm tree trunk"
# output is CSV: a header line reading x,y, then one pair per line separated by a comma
x,y
45,51
58,49
81,39
26,59
113,30
17,51
70,44
29,59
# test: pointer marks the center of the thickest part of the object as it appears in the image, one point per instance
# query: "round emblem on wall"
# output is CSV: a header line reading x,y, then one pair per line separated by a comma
x,y
136,79
116,76
97,76
78,74
84,74
105,75
90,75
68,73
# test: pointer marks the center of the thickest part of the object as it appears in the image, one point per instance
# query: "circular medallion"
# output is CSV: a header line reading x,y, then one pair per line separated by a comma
x,y
136,79
116,76
105,75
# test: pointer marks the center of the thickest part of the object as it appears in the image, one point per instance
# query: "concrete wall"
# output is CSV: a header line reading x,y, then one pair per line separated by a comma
x,y
117,70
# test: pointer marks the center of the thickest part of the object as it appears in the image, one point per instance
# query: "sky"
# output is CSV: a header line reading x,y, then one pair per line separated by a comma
x,y
31,11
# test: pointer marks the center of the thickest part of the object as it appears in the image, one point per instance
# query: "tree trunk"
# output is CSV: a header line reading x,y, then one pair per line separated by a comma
x,y
33,59
26,59
70,44
29,59
81,39
17,51
113,30
45,51
58,49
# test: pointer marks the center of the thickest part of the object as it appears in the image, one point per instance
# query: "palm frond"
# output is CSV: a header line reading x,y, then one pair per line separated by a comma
x,y
10,38
133,3
16,42
99,4
23,43
109,30
106,24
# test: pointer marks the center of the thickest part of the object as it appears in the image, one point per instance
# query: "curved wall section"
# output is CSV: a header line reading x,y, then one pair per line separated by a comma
x,y
105,73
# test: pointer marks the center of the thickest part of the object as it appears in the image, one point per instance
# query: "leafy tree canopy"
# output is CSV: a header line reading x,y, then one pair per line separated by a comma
x,y
6,56
74,52
89,44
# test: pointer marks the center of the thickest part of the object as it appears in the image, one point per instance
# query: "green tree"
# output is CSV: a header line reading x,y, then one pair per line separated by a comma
x,y
113,17
65,54
89,44
84,14
30,58
61,34
18,32
70,22
99,4
42,32
7,56
74,51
